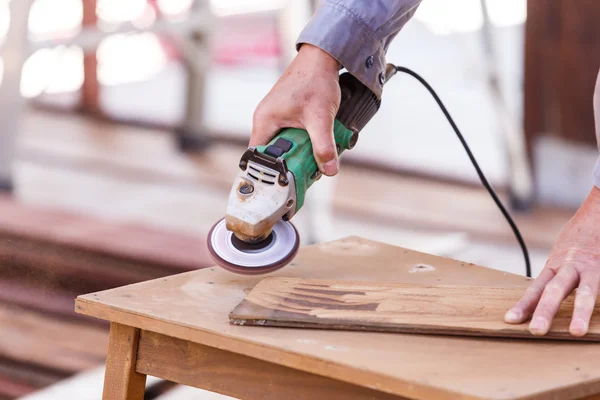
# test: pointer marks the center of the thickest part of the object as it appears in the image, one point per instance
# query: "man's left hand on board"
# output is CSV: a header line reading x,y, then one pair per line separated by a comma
x,y
574,263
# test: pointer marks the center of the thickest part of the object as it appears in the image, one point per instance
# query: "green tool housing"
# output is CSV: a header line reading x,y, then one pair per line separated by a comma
x,y
291,149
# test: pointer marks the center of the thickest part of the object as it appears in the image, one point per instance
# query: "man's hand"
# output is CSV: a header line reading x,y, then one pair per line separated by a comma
x,y
307,96
573,263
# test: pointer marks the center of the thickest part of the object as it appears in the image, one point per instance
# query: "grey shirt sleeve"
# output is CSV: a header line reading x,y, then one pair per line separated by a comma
x,y
357,33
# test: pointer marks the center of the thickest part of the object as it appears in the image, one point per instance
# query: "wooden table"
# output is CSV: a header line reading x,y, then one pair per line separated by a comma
x,y
177,328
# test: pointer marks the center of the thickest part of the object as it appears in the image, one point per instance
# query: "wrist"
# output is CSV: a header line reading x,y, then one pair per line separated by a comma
x,y
591,205
595,195
319,58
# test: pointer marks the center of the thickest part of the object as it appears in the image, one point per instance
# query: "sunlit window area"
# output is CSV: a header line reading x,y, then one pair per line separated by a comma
x,y
52,18
126,58
52,71
462,16
174,8
247,39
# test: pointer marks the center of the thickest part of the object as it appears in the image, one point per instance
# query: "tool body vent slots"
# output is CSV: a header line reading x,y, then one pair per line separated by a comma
x,y
261,174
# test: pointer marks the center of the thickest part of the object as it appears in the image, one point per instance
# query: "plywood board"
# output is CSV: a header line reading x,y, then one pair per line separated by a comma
x,y
195,306
393,307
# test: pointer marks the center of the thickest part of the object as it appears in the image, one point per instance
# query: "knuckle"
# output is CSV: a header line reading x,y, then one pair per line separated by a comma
x,y
260,114
326,152
263,112
543,311
584,305
584,291
554,289
534,289
553,286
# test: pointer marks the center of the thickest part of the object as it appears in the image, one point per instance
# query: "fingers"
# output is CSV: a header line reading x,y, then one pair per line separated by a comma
x,y
264,127
320,130
523,309
555,292
319,125
585,300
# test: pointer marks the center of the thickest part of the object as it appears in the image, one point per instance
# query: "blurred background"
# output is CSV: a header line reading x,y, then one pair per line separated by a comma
x,y
123,122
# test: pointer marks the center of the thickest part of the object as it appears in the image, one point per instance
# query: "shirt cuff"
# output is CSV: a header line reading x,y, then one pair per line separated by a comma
x,y
597,174
348,39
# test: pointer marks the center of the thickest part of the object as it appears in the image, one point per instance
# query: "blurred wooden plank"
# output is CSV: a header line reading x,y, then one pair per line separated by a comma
x,y
28,375
48,257
44,341
170,251
28,378
561,66
387,198
10,389
418,203
45,299
579,40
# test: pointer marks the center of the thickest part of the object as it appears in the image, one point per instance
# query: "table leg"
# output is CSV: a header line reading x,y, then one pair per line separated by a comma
x,y
121,381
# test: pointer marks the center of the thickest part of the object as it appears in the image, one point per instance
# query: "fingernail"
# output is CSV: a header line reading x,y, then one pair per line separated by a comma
x,y
578,327
539,326
513,316
330,168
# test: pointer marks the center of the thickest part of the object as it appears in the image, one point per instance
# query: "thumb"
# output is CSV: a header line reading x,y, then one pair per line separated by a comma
x,y
320,130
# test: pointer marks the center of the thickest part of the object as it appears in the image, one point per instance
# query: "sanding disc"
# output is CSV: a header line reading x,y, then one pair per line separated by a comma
x,y
253,259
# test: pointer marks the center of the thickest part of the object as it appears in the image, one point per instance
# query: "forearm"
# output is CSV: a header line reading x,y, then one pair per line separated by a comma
x,y
357,33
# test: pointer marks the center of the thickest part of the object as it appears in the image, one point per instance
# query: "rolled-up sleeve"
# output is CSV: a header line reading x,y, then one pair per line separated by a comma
x,y
357,33
597,116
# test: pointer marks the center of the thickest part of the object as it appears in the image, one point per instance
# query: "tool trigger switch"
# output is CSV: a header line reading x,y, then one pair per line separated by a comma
x,y
274,151
284,144
280,147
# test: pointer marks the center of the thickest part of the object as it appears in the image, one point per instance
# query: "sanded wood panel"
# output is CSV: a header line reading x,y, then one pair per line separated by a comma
x,y
195,307
238,376
393,307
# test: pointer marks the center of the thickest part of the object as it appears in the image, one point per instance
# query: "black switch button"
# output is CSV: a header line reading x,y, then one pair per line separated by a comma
x,y
284,144
274,151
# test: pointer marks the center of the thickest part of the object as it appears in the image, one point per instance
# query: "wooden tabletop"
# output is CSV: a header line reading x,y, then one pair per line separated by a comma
x,y
194,306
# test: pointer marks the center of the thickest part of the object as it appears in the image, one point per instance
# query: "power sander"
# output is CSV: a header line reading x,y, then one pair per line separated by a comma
x,y
256,235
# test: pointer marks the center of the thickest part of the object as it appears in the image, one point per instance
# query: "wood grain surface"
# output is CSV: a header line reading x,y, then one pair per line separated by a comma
x,y
121,380
239,376
393,307
195,307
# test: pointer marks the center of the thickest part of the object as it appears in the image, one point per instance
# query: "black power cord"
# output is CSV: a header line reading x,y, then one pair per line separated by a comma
x,y
482,177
